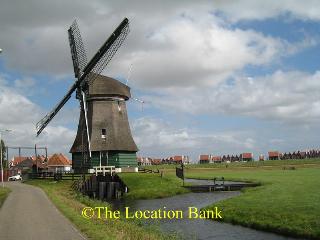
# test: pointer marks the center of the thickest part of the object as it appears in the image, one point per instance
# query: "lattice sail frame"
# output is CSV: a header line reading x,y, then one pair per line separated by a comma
x,y
108,55
78,52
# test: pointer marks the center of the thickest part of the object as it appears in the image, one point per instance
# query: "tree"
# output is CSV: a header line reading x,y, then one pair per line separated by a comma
x,y
3,151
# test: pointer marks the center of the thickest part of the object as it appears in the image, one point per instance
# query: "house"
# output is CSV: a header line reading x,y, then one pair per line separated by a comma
x,y
204,159
59,163
16,160
144,161
40,162
216,159
261,157
156,161
178,159
33,163
274,155
246,157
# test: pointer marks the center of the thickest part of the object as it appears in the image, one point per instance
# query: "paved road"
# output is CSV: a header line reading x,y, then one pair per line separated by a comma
x,y
29,214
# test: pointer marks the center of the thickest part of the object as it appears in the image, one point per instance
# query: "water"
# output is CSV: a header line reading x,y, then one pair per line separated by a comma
x,y
196,228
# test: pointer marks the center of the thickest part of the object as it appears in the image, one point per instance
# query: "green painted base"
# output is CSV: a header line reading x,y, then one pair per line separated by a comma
x,y
111,158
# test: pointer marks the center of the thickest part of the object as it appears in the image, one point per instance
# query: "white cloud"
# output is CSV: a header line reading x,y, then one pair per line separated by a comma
x,y
292,97
19,114
185,53
158,138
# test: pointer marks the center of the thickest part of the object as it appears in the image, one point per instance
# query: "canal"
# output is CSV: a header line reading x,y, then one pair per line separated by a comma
x,y
196,228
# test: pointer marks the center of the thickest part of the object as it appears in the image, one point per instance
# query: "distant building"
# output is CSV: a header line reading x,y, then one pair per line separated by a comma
x,y
156,161
204,159
16,160
261,157
59,163
144,161
274,155
246,157
216,159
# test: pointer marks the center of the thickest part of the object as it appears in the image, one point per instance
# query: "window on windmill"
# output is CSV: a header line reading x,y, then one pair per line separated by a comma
x,y
103,133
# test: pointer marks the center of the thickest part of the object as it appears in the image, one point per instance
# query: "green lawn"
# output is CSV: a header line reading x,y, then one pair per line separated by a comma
x,y
151,185
288,202
71,204
4,192
267,163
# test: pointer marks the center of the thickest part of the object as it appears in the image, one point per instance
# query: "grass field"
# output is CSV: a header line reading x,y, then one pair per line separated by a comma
x,y
71,204
268,163
288,201
4,192
146,185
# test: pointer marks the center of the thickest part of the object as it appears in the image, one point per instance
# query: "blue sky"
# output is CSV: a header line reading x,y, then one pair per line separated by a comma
x,y
217,77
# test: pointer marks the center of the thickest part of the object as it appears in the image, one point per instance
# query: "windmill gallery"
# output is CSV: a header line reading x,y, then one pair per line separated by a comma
x,y
103,137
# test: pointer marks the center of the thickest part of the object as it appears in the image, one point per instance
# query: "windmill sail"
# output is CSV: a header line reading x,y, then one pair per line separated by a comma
x,y
95,65
107,51
78,52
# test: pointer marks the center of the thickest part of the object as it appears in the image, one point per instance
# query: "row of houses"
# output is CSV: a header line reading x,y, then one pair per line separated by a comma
x,y
272,155
178,159
54,163
208,158
276,155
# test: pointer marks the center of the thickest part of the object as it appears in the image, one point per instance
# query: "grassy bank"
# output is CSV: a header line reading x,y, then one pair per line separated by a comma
x,y
286,203
4,192
267,163
70,203
147,185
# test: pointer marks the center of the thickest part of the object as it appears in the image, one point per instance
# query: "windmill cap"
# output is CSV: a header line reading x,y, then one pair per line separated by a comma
x,y
106,86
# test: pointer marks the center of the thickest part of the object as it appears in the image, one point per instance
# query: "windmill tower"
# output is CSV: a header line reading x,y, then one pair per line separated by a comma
x,y
103,137
109,130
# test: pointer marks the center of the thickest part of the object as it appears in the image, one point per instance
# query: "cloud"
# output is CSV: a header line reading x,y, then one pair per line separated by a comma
x,y
186,52
19,114
158,138
188,34
291,97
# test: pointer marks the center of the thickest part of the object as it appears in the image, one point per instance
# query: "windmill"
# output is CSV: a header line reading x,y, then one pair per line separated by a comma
x,y
103,137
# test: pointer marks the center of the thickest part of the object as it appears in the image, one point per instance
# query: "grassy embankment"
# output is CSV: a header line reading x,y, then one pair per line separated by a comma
x,y
71,203
286,203
147,185
4,192
253,164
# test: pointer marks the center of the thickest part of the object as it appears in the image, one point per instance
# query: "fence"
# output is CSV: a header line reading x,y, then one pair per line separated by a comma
x,y
55,176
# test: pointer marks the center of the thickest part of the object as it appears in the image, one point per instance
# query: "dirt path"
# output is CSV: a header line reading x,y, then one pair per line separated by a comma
x,y
29,214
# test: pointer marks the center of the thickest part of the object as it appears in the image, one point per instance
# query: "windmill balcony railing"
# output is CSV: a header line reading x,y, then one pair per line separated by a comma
x,y
104,170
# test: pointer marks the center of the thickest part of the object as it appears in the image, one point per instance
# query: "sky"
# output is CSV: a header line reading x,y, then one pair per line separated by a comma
x,y
217,77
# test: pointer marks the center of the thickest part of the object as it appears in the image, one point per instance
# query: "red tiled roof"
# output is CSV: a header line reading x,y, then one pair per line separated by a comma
x,y
246,155
204,157
58,160
273,154
216,158
16,160
156,161
39,158
177,158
